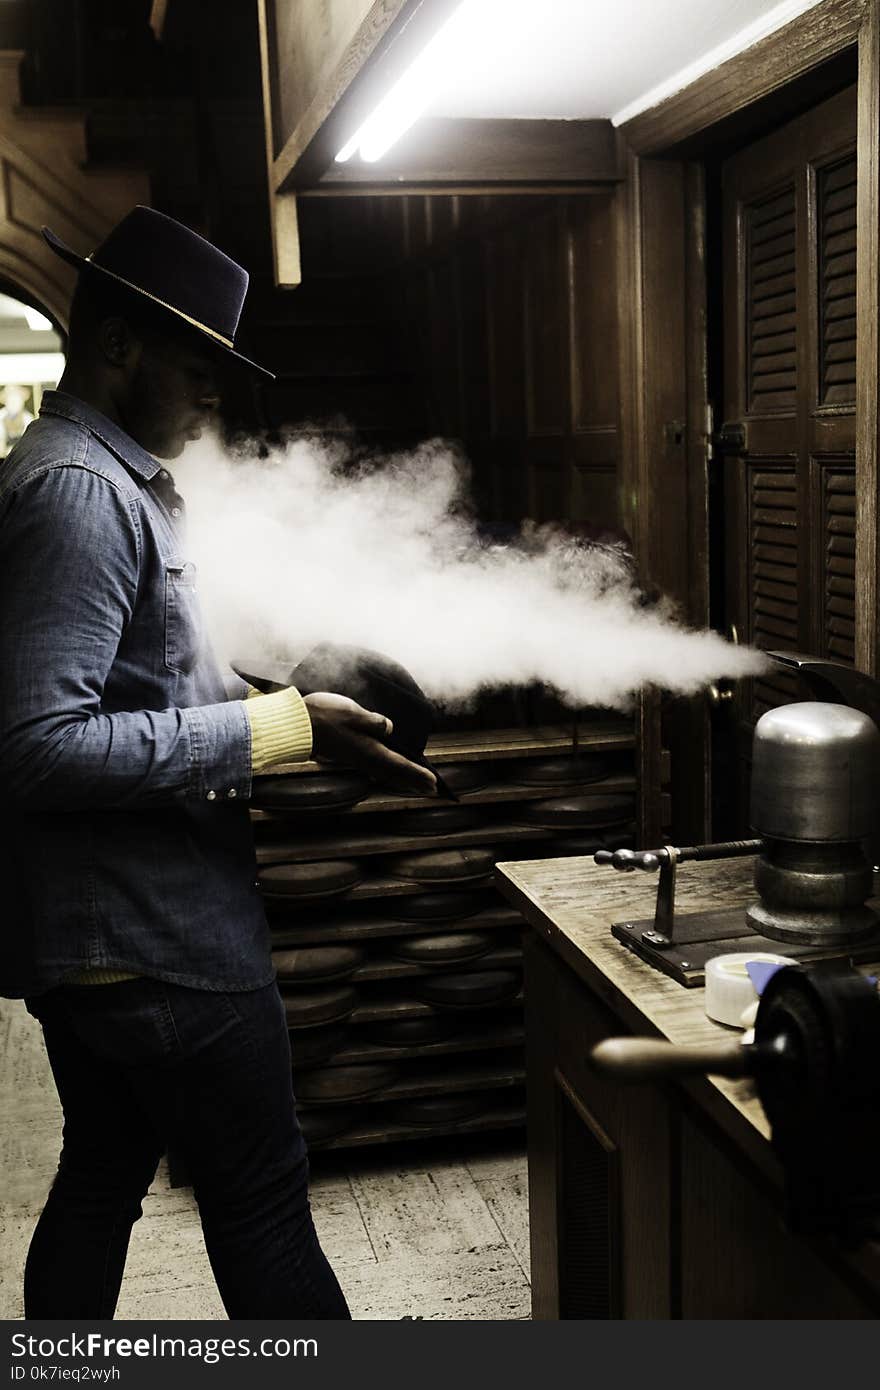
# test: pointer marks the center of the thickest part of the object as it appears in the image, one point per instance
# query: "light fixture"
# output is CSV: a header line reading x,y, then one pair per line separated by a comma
x,y
35,320
28,368
412,92
13,310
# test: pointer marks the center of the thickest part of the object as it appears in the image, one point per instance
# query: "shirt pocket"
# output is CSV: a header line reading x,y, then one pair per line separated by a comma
x,y
183,622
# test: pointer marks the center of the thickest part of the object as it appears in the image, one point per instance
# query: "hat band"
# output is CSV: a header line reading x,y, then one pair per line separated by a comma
x,y
203,327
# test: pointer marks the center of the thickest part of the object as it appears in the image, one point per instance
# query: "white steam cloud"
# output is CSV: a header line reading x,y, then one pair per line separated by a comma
x,y
298,548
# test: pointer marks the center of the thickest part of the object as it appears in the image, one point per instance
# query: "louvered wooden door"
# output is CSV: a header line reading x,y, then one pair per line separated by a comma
x,y
789,378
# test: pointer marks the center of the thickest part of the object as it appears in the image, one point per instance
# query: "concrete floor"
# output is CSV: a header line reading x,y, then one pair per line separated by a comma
x,y
437,1231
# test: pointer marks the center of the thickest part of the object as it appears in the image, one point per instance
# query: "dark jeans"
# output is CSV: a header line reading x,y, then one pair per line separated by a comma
x,y
141,1065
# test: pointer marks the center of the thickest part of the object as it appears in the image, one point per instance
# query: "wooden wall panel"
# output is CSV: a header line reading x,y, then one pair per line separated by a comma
x,y
474,302
591,287
593,495
527,377
591,272
545,341
444,324
507,364
341,343
490,321
549,499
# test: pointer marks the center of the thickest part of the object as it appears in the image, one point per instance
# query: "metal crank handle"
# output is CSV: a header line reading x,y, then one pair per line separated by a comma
x,y
649,1059
726,849
625,860
650,860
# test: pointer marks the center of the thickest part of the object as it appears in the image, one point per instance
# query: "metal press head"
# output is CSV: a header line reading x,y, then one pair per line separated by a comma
x,y
815,773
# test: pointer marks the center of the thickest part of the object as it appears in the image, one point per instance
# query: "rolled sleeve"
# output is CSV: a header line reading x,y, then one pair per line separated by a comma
x,y
281,729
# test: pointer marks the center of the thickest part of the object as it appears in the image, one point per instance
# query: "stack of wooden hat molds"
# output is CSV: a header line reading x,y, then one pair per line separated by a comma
x,y
399,964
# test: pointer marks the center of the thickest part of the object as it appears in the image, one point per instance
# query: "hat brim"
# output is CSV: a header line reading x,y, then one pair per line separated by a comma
x,y
82,263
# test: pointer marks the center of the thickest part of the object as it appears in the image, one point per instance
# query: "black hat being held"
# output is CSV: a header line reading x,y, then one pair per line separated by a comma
x,y
373,680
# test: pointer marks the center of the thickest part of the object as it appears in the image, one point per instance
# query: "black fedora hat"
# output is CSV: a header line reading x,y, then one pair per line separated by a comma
x,y
174,268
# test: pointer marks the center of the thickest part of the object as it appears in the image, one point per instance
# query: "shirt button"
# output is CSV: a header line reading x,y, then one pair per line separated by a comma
x,y
232,792
212,796
175,511
163,473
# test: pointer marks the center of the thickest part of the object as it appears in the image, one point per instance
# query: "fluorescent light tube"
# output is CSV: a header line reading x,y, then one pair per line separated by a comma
x,y
412,92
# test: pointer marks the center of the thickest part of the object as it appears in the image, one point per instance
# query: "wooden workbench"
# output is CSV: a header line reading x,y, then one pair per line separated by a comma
x,y
651,1201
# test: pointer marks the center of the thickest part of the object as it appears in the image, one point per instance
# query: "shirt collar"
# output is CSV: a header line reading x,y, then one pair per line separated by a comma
x,y
118,442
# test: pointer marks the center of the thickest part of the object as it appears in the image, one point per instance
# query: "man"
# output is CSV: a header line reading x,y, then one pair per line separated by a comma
x,y
134,928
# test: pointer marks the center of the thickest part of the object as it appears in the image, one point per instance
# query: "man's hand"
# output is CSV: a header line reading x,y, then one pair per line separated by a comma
x,y
344,732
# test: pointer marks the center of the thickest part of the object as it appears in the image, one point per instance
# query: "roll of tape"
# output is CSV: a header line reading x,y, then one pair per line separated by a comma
x,y
729,991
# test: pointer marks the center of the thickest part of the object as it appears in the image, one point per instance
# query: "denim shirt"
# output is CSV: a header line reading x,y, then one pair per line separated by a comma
x,y
125,760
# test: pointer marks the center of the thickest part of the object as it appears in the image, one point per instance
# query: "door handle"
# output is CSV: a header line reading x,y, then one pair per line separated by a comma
x,y
721,693
718,694
732,438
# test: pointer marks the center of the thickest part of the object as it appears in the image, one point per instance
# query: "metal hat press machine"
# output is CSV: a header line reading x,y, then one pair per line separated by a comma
x,y
815,803
814,1054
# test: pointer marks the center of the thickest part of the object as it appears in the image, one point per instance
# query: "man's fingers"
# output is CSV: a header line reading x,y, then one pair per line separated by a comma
x,y
370,722
344,732
394,769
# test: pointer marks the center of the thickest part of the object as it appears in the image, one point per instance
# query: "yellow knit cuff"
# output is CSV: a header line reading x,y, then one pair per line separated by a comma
x,y
281,730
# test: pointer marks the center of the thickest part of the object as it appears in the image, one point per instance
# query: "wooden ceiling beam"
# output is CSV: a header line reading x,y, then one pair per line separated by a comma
x,y
446,150
811,39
